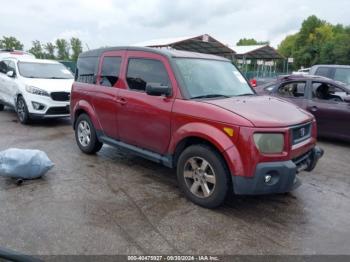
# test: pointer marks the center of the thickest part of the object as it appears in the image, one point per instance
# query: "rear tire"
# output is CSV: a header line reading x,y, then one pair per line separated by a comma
x,y
22,111
85,135
2,107
202,175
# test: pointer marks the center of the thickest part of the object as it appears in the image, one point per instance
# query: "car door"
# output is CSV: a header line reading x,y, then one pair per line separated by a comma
x,y
3,70
332,114
12,85
106,91
8,85
144,120
294,92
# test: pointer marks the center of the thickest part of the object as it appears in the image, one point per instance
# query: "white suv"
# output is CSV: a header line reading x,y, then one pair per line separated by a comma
x,y
35,88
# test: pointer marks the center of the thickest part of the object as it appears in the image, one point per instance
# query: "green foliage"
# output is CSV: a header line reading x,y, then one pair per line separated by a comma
x,y
76,48
50,50
317,42
251,41
10,43
62,49
37,49
59,50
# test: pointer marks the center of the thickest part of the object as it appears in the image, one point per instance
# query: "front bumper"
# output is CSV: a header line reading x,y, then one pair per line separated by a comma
x,y
276,177
49,108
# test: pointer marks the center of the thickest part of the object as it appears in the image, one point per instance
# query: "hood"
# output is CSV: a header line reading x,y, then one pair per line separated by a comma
x,y
51,85
264,111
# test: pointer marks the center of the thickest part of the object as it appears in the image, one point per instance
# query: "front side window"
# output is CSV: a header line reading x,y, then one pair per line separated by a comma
x,y
205,78
293,89
342,75
44,70
110,71
11,66
144,71
327,92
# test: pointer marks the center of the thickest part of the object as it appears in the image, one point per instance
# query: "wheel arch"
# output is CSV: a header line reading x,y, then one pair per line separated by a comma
x,y
207,135
83,107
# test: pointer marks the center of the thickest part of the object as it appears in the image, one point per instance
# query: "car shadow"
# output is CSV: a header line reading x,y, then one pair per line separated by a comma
x,y
334,141
48,122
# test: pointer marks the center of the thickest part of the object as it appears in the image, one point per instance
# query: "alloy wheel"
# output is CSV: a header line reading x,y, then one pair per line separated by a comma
x,y
199,177
21,111
84,133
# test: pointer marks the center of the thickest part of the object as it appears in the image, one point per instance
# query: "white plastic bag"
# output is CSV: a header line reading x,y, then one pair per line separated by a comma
x,y
24,163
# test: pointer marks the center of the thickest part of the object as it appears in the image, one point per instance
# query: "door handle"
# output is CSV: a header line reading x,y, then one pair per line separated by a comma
x,y
121,101
314,108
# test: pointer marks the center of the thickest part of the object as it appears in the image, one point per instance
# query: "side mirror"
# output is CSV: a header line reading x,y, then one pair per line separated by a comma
x,y
157,89
10,73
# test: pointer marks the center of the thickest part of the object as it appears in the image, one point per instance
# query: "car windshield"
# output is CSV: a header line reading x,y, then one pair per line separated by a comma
x,y
204,78
44,70
342,75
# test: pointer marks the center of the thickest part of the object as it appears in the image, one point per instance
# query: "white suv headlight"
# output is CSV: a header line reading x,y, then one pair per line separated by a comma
x,y
36,91
269,143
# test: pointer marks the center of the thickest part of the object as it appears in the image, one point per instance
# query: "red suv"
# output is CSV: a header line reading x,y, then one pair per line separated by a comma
x,y
194,112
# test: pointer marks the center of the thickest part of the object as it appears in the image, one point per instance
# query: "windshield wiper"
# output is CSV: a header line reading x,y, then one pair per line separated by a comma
x,y
246,94
210,96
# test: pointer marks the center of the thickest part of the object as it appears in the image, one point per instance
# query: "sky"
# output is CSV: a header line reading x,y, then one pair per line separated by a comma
x,y
101,23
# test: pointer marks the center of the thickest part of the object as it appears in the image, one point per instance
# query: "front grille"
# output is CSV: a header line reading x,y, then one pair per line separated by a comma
x,y
303,162
62,110
301,133
60,96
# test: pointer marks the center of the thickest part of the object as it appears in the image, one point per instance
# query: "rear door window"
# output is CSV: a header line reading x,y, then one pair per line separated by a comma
x,y
292,89
3,67
143,71
323,71
110,70
327,92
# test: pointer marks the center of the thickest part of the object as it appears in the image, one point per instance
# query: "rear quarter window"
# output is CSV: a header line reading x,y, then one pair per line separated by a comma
x,y
86,70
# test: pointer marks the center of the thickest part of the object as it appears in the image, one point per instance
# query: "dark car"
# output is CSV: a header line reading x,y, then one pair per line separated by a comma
x,y
327,99
336,72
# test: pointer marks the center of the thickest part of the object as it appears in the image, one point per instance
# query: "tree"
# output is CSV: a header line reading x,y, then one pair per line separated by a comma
x,y
287,46
10,43
251,41
62,49
317,42
37,49
76,48
50,50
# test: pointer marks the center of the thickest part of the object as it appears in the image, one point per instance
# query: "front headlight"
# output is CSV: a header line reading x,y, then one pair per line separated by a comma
x,y
36,91
269,143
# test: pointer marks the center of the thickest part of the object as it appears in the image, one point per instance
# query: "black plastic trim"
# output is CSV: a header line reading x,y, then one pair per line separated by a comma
x,y
166,160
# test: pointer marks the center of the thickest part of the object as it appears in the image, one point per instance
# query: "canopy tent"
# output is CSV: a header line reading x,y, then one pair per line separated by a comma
x,y
261,52
201,44
257,60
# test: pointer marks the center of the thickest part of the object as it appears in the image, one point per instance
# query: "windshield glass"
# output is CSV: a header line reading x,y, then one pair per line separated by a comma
x,y
212,78
342,75
44,70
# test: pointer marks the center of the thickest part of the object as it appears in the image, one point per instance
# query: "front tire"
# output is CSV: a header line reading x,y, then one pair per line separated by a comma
x,y
202,175
22,111
85,135
2,107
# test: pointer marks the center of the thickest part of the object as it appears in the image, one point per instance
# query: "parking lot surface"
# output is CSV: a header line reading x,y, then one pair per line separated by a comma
x,y
116,203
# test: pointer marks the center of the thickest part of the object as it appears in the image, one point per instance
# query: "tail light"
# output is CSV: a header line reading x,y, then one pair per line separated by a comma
x,y
252,82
